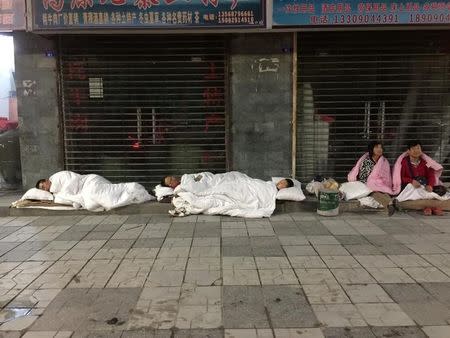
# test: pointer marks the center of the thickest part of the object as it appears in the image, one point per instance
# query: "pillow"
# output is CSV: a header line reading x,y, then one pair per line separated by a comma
x,y
162,192
354,190
37,194
294,193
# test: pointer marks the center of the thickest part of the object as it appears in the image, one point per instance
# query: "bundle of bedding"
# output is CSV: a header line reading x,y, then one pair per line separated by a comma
x,y
91,192
232,194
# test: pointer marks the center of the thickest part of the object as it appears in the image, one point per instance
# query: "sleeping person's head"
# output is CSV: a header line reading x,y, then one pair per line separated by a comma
x,y
44,184
285,183
170,181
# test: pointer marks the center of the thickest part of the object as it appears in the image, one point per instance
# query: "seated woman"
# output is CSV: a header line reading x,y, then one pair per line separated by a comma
x,y
415,169
374,170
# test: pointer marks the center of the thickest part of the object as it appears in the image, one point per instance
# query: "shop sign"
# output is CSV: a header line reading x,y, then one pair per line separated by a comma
x,y
88,14
12,15
360,13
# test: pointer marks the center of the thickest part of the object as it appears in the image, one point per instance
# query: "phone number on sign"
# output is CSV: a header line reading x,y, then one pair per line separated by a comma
x,y
372,19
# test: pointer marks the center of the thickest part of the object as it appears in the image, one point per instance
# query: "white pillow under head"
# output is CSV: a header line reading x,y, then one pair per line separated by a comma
x,y
294,193
37,194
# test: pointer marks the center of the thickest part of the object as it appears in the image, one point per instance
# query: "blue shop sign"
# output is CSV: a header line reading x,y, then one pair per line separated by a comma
x,y
88,14
359,13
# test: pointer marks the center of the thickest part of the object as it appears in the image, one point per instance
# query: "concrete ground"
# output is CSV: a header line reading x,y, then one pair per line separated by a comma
x,y
293,275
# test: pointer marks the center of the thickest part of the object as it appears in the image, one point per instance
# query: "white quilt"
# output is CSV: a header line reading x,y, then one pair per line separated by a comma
x,y
413,194
94,192
232,193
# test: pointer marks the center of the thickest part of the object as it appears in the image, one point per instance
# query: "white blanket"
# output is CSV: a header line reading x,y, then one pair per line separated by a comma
x,y
232,193
413,194
94,192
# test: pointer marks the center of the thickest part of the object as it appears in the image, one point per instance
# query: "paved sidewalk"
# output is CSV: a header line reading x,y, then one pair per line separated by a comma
x,y
293,275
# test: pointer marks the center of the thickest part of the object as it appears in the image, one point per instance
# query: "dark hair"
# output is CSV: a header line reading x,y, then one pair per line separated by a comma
x,y
371,146
290,183
42,180
163,182
413,143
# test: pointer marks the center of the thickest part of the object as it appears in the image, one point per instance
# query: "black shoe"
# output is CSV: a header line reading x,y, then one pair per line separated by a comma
x,y
395,203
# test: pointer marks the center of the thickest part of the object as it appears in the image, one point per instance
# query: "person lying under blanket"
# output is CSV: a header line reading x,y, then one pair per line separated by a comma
x,y
92,192
232,193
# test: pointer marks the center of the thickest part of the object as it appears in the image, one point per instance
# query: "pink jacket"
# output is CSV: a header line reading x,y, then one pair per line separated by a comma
x,y
380,177
396,174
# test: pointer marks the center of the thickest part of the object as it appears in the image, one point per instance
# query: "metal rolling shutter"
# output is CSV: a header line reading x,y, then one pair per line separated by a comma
x,y
137,108
360,86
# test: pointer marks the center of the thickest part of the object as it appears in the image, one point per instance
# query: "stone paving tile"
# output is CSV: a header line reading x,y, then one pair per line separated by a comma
x,y
157,308
338,315
315,276
362,249
353,276
95,274
248,333
399,331
87,309
48,334
312,228
325,294
131,273
287,307
58,275
352,239
375,261
205,251
418,304
306,262
18,324
241,277
299,250
440,291
34,299
437,331
366,293
342,262
331,250
200,307
277,276
243,307
426,274
293,240
390,275
384,314
407,261
348,332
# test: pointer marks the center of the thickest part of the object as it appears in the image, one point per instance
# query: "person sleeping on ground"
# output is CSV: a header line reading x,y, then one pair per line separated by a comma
x,y
92,192
232,193
416,176
373,170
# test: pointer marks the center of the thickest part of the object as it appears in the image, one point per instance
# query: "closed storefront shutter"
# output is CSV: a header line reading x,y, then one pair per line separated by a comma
x,y
137,108
359,86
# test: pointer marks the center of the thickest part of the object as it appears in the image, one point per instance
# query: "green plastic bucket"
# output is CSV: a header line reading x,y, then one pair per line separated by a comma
x,y
328,202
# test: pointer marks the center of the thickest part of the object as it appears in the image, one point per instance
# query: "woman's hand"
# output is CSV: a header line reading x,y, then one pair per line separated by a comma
x,y
428,188
415,184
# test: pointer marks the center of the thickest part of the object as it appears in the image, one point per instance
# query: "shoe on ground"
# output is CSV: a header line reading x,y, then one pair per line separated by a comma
x,y
427,212
391,209
437,211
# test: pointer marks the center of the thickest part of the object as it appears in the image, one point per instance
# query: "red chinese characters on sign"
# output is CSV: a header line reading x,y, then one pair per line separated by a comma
x,y
114,2
81,4
212,2
144,4
56,5
76,72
